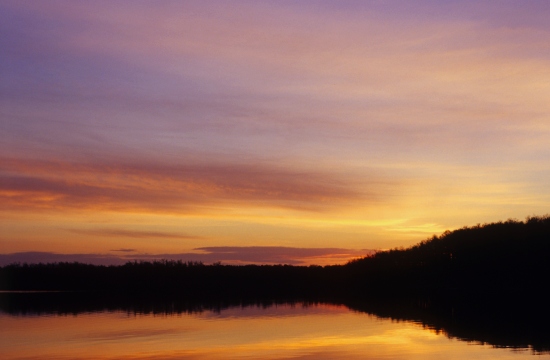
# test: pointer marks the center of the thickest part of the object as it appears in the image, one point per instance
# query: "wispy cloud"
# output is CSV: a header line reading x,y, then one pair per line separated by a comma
x,y
132,234
174,188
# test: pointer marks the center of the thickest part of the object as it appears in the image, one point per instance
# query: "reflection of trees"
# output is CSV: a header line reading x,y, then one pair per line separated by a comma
x,y
487,273
510,327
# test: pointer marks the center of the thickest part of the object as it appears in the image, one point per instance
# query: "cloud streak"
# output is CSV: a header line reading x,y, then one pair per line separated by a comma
x,y
132,234
229,116
172,188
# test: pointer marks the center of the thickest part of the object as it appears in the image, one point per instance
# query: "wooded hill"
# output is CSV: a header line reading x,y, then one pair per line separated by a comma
x,y
510,258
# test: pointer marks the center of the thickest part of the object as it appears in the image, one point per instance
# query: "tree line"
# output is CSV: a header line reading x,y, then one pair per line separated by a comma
x,y
505,259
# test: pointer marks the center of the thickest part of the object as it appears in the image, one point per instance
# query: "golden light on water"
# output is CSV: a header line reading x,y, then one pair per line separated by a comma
x,y
320,331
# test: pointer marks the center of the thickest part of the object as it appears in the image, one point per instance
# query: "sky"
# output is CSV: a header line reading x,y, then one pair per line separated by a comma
x,y
295,132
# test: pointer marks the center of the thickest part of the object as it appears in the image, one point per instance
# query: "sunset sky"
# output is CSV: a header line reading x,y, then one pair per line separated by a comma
x,y
272,132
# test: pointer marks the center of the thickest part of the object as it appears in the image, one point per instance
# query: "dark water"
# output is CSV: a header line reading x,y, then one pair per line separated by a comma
x,y
76,326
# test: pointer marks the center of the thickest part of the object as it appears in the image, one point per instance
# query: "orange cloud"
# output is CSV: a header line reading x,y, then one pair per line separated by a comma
x,y
35,184
121,233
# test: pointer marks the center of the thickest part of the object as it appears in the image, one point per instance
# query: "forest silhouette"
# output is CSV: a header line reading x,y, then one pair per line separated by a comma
x,y
485,283
508,260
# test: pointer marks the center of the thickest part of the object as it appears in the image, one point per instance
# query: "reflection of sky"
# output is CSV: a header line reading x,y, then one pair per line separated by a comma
x,y
322,332
275,310
307,124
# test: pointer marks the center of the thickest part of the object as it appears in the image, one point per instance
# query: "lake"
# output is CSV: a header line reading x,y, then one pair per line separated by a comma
x,y
298,330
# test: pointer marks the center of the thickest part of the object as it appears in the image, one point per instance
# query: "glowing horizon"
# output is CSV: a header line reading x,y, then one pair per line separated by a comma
x,y
168,126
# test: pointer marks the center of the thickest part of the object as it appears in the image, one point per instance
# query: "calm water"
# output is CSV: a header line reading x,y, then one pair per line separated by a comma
x,y
283,331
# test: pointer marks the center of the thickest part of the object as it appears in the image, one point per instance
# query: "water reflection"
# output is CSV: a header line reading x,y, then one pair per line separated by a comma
x,y
82,326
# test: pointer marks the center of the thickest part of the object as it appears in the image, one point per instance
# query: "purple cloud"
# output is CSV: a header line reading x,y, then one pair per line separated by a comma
x,y
208,255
